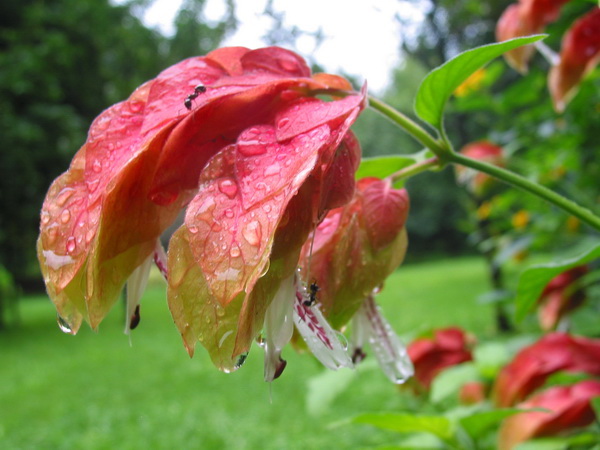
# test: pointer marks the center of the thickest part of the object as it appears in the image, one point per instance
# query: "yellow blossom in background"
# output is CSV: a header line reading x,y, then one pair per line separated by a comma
x,y
520,219
573,224
483,212
471,84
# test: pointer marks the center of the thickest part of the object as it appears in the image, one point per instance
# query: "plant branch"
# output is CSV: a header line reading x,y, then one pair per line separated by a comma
x,y
414,169
584,214
437,146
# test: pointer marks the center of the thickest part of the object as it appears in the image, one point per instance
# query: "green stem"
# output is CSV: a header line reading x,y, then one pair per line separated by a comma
x,y
415,169
437,146
583,214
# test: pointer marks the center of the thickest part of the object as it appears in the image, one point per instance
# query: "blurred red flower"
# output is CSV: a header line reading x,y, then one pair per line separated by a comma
x,y
430,355
580,54
569,407
559,297
477,182
532,365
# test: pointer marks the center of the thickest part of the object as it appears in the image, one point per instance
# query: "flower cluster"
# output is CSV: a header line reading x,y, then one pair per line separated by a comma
x,y
240,140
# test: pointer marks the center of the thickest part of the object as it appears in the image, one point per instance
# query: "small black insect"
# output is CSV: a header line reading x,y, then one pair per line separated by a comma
x,y
199,89
135,318
312,294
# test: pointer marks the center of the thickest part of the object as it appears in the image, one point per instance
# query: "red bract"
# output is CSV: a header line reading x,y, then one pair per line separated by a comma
x,y
560,297
525,18
254,156
579,55
478,182
430,355
355,248
569,407
532,365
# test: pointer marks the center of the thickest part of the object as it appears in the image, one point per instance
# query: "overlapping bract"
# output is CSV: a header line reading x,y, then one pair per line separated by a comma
x,y
535,363
354,250
563,408
580,52
257,160
579,55
525,18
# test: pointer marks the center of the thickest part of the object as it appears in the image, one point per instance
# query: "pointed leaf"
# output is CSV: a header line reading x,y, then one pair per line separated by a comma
x,y
441,82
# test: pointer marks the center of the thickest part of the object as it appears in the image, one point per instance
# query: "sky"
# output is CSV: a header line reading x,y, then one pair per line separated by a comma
x,y
362,38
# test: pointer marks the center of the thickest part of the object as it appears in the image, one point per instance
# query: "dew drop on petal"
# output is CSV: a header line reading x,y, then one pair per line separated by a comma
x,y
65,216
229,213
228,187
193,229
45,217
64,195
71,244
252,233
234,251
97,166
284,122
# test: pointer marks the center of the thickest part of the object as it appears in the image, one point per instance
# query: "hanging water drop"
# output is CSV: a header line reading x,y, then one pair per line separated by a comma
x,y
71,244
63,325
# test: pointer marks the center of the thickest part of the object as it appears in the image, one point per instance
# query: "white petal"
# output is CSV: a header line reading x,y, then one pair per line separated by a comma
x,y
389,350
278,328
322,340
136,285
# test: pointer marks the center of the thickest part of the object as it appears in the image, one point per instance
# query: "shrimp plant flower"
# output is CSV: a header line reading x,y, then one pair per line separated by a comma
x,y
257,151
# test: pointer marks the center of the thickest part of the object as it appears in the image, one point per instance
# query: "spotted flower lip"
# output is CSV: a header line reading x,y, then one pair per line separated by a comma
x,y
256,160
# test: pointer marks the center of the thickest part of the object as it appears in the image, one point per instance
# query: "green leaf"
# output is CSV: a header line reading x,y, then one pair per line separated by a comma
x,y
534,279
449,381
441,82
408,423
384,166
479,423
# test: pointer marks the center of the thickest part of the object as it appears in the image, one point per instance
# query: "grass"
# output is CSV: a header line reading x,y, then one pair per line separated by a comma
x,y
95,391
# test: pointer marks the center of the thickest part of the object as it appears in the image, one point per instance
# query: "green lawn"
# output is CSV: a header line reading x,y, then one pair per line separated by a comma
x,y
95,391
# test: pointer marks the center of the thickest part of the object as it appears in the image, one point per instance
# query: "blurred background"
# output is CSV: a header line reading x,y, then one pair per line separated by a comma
x,y
63,61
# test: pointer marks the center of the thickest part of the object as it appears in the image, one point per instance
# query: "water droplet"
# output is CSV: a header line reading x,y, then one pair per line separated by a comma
x,y
45,217
273,169
234,251
252,142
193,229
252,233
92,185
136,107
284,122
71,244
229,213
65,216
63,325
64,195
228,187
267,208
52,233
97,166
